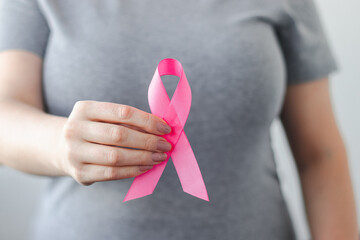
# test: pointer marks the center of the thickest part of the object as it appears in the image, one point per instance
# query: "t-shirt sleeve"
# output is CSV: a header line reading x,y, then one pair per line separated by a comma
x,y
23,26
305,47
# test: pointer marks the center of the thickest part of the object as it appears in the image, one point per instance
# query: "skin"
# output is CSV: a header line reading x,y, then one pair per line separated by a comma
x,y
83,145
321,160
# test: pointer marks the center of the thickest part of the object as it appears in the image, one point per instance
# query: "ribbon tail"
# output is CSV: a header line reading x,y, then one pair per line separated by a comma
x,y
188,169
145,183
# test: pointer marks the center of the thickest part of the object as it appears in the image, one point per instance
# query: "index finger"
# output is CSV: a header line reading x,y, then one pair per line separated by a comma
x,y
125,114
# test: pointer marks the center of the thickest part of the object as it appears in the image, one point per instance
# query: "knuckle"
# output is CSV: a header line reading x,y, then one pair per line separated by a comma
x,y
124,112
150,143
81,105
150,123
78,174
69,130
113,157
147,119
110,173
81,108
118,134
145,157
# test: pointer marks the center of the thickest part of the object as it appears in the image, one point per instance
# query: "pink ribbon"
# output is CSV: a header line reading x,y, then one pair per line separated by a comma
x,y
175,112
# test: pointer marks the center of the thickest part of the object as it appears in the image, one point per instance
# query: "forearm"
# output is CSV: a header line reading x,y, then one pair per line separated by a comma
x,y
28,138
328,197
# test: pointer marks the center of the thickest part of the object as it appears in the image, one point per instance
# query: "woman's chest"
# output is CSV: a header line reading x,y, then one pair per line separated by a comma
x,y
109,52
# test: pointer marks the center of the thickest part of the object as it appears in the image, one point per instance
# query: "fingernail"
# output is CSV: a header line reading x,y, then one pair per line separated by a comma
x,y
145,167
163,146
164,128
159,157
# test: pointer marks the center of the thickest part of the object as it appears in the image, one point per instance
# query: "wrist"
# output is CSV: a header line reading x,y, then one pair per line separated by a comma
x,y
56,147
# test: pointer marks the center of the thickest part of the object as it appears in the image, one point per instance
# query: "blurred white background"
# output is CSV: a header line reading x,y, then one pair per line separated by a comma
x,y
19,193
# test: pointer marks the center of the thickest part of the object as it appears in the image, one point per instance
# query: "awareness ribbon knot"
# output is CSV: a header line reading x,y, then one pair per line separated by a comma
x,y
175,112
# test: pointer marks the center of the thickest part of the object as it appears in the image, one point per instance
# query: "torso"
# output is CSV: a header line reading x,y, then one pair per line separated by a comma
x,y
108,51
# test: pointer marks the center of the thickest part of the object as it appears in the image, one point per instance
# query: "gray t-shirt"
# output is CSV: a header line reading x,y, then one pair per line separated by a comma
x,y
238,56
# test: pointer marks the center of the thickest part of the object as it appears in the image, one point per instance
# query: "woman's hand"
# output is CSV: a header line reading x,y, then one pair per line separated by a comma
x,y
91,145
102,141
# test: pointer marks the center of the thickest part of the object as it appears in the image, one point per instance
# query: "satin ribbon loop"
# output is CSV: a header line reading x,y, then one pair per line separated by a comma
x,y
175,112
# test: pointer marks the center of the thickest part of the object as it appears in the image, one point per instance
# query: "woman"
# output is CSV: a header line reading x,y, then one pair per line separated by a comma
x,y
74,85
